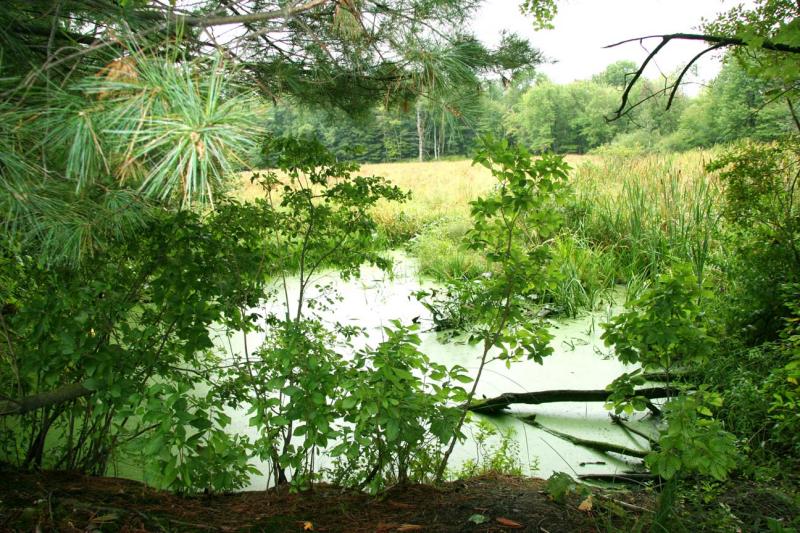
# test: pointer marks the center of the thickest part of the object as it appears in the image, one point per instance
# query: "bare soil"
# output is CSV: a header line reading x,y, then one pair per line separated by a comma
x,y
58,501
71,502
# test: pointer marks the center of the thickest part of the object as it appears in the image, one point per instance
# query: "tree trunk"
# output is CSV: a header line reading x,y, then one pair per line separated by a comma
x,y
442,130
420,132
435,141
499,403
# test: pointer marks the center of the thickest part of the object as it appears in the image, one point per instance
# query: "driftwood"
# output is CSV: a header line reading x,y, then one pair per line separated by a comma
x,y
599,446
499,403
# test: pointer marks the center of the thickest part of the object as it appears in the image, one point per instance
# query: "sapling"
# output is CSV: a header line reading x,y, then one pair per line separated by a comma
x,y
511,229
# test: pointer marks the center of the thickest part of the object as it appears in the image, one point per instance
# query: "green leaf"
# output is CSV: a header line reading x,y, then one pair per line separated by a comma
x,y
349,402
279,420
478,519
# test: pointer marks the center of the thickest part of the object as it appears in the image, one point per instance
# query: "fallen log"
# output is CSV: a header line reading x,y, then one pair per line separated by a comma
x,y
499,403
599,446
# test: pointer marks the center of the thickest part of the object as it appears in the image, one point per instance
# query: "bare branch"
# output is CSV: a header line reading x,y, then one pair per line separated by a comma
x,y
638,74
716,42
64,394
715,39
677,83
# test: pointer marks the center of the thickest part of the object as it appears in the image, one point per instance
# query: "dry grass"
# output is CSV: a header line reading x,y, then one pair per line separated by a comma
x,y
439,190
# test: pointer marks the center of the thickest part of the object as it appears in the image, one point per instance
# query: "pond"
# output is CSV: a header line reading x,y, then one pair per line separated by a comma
x,y
580,361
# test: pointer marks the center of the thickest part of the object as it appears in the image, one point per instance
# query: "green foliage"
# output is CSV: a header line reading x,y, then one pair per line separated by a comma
x,y
493,458
478,519
564,118
760,203
510,230
544,116
640,214
560,485
190,448
382,413
320,210
783,386
543,11
693,442
296,375
764,20
89,157
399,406
377,415
132,327
623,397
438,248
664,328
582,276
735,106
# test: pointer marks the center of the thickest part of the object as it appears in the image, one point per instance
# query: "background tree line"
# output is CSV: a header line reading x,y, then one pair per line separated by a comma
x,y
545,116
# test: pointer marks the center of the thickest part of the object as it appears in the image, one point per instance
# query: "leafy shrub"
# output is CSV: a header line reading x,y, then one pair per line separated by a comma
x,y
499,458
693,442
130,332
397,405
376,410
664,329
761,205
783,386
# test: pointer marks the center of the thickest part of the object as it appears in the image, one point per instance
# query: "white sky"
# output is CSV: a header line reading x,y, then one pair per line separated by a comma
x,y
583,27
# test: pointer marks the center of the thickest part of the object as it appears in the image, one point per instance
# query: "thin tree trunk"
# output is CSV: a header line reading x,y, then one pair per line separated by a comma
x,y
420,132
442,130
435,142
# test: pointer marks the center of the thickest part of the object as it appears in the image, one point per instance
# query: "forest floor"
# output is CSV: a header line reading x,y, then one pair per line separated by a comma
x,y
58,501
55,501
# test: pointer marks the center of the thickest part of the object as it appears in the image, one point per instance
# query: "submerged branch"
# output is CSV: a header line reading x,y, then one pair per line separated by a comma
x,y
499,403
604,447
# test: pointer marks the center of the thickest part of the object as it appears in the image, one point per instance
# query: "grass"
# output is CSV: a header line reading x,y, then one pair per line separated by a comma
x,y
441,190
630,217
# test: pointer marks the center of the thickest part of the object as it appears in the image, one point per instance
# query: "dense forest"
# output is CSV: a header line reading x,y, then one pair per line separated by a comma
x,y
191,256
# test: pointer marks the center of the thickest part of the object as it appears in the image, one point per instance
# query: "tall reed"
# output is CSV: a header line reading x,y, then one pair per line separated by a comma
x,y
648,212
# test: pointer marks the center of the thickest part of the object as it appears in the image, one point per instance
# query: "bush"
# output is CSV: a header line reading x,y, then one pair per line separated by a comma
x,y
441,254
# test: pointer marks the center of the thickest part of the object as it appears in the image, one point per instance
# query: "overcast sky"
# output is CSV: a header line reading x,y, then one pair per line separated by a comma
x,y
583,27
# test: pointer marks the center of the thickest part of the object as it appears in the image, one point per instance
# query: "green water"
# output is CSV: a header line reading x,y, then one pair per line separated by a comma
x,y
580,361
